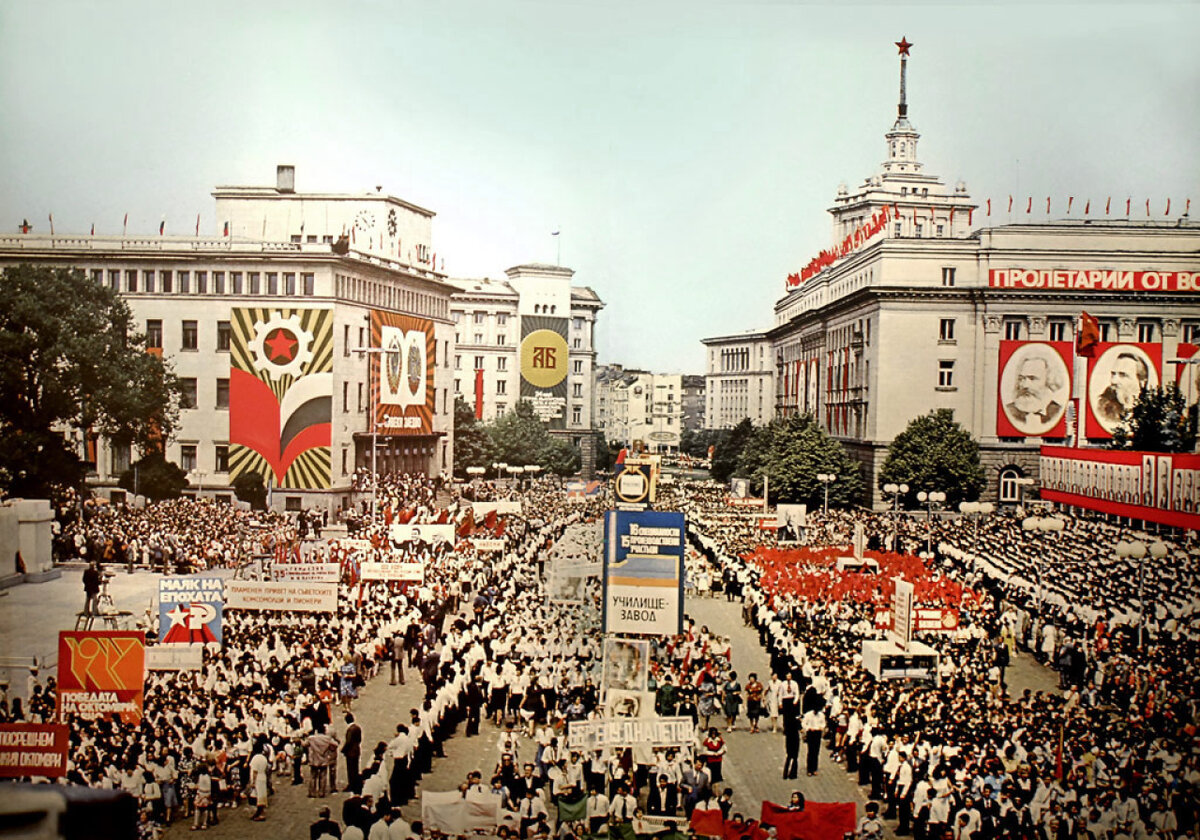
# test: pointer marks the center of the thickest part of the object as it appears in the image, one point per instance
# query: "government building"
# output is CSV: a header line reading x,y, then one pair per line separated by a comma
x,y
924,301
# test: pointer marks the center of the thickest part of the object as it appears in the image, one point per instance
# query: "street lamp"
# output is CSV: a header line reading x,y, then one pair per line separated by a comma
x,y
1137,550
1045,525
896,491
374,351
199,478
826,479
933,497
976,511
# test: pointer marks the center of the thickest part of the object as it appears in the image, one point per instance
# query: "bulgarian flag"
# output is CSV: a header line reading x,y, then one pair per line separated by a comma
x,y
1089,335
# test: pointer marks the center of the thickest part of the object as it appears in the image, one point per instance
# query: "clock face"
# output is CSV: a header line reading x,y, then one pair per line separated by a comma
x,y
365,220
391,222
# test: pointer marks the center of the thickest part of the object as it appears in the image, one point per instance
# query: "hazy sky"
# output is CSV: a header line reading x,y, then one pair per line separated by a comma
x,y
687,151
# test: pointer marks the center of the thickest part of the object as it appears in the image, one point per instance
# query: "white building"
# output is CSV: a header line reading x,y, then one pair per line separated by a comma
x,y
916,307
188,293
493,320
640,407
739,379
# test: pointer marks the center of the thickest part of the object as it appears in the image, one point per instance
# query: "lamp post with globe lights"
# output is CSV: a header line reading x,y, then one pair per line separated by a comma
x,y
826,479
368,352
929,499
1137,550
976,511
1044,525
895,491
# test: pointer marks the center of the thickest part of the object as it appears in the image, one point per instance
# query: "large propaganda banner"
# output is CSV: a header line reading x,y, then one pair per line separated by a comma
x,y
1153,486
1094,280
429,532
100,674
281,396
1034,388
189,609
33,749
402,391
1117,372
643,572
544,366
281,595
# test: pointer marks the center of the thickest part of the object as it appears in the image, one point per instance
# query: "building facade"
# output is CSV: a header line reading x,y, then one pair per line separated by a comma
x,y
739,380
694,402
498,360
640,408
215,307
921,304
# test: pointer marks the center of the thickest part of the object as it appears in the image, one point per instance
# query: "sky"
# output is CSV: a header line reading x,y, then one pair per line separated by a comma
x,y
686,152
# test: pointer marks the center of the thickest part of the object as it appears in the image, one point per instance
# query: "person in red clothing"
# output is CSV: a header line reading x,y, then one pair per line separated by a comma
x,y
714,753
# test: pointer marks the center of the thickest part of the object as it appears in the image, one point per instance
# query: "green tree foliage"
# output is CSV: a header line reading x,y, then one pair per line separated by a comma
x,y
606,452
70,358
472,444
791,452
729,451
696,442
1160,421
249,487
935,453
156,478
519,438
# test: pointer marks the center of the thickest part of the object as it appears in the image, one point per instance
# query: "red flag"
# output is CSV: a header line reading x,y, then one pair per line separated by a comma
x,y
951,215
161,225
1058,755
1188,207
989,212
1128,204
51,224
1047,205
1089,335
1087,208
94,224
479,394
226,229
1107,204
818,820
1147,207
1167,212
1029,206
197,224
708,823
125,224
1010,204
971,212
1070,201
624,453
747,830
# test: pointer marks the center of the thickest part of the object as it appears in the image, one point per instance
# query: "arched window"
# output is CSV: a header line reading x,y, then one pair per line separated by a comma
x,y
1010,491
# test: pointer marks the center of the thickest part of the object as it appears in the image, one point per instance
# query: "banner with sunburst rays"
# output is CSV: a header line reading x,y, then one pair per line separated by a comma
x,y
402,383
281,396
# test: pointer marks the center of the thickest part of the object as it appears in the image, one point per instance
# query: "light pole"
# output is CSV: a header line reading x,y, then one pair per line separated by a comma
x,y
1137,550
896,491
826,479
934,497
199,475
374,409
976,511
1045,525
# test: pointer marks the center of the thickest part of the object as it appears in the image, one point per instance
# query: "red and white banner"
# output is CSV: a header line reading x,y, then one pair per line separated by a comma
x,y
393,571
1094,280
33,749
1034,388
1116,375
281,595
311,572
1153,486
101,674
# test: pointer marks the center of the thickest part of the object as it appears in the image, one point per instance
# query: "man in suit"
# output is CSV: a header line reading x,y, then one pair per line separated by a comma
x,y
1033,405
352,751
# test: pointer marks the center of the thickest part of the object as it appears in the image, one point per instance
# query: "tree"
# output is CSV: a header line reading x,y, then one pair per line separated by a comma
x,y
695,442
1160,421
935,453
472,445
791,452
249,488
70,358
726,456
606,452
519,438
154,477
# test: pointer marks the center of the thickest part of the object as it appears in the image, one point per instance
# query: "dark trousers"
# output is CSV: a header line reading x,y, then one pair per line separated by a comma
x,y
353,773
812,739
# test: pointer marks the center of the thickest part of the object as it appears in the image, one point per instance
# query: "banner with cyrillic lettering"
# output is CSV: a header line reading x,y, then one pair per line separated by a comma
x,y
393,571
643,572
310,572
33,749
101,674
280,595
658,732
402,533
189,609
1094,280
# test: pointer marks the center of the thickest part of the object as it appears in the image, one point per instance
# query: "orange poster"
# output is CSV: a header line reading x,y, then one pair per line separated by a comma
x,y
100,674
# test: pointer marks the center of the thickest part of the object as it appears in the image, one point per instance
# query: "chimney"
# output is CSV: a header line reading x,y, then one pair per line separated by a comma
x,y
285,178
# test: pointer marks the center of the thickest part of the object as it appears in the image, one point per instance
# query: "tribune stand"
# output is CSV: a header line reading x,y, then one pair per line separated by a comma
x,y
899,656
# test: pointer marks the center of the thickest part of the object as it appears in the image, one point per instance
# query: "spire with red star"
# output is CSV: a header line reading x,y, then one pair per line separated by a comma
x,y
904,46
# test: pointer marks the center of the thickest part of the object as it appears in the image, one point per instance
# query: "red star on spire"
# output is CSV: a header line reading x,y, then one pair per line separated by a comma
x,y
904,45
281,345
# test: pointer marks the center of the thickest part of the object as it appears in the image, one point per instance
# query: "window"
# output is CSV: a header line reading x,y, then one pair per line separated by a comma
x,y
946,330
501,339
218,282
272,283
946,373
1012,330
114,279
97,276
501,319
480,317
295,239
222,393
479,363
1106,330
577,323
235,282
360,396
293,503
201,282
221,457
120,457
939,230
345,339
455,316
502,363
947,276
920,229
501,409
577,389
345,396
1191,333
1058,330
187,393
131,278
165,277
576,414
1145,332
501,386
897,229
577,366
458,386
255,283
154,334
187,456
289,283
345,459
185,283
189,335
479,338
308,282
148,285
577,343
457,362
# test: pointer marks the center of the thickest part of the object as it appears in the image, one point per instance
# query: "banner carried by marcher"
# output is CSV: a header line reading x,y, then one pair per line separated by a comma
x,y
308,572
101,674
454,813
33,749
174,658
643,572
502,507
189,610
657,732
402,533
393,571
280,595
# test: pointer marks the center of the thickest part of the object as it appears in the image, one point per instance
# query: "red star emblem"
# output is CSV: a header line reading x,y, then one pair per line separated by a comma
x,y
903,45
281,345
